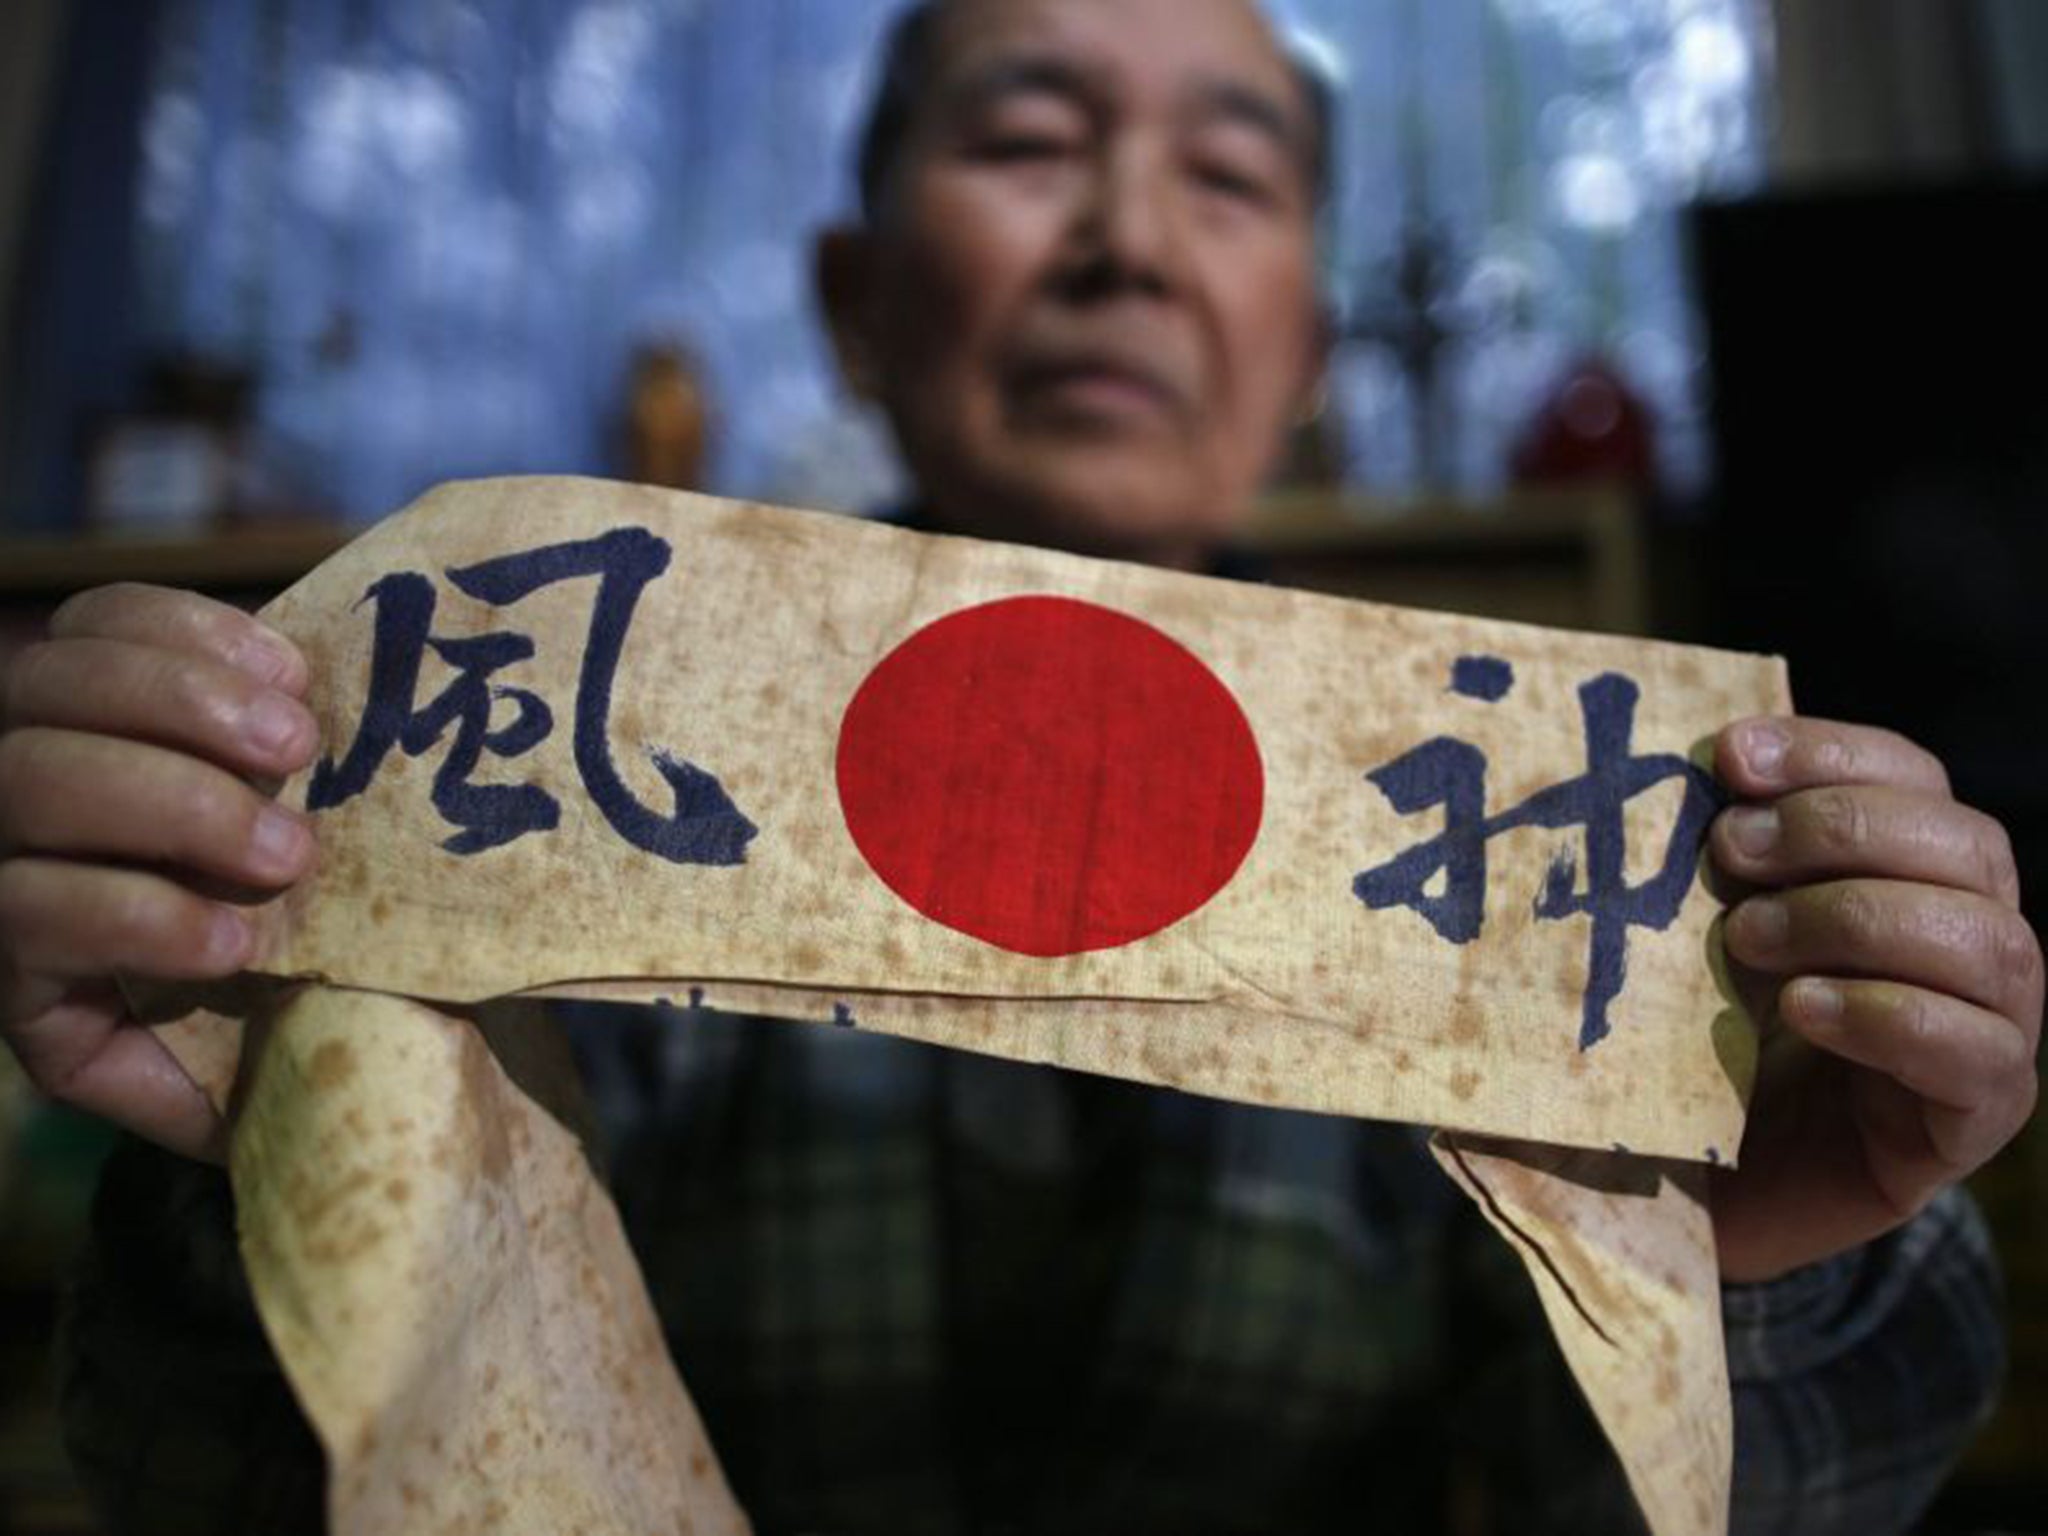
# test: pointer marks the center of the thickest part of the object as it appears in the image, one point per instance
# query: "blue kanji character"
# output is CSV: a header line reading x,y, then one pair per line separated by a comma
x,y
1451,773
704,827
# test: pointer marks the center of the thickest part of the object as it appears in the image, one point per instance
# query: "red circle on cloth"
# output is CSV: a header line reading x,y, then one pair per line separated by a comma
x,y
1049,776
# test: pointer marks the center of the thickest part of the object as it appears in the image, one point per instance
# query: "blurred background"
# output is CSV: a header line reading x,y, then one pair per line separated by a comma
x,y
1718,319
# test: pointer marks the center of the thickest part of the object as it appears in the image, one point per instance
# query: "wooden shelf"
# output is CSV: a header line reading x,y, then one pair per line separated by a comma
x,y
240,559
1569,558
1515,519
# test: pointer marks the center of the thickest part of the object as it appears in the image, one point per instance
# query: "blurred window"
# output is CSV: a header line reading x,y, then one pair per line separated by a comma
x,y
440,229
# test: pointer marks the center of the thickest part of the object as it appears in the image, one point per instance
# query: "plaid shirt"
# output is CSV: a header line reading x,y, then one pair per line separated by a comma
x,y
919,1292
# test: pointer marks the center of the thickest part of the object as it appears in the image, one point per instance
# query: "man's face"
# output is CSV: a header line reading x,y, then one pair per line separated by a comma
x,y
1089,301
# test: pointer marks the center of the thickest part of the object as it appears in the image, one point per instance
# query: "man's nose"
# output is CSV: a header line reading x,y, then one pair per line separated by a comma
x,y
1131,230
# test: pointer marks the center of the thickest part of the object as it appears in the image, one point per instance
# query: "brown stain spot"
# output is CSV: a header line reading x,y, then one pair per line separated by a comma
x,y
333,1063
700,1464
311,1202
398,1191
1466,1026
345,1250
807,957
345,872
1464,1083
380,909
356,1122
1667,1387
624,1383
1403,1062
1160,1065
492,1442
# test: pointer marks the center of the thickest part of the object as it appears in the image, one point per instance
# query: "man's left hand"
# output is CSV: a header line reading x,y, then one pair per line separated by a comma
x,y
1898,987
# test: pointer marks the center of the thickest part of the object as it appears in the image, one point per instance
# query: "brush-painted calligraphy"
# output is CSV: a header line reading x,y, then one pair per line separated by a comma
x,y
1448,773
703,825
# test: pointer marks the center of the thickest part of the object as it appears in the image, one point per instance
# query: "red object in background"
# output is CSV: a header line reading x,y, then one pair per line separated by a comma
x,y
1594,427
1049,776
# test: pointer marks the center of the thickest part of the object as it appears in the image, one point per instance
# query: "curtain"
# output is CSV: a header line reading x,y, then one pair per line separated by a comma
x,y
31,35
72,317
2016,35
1880,89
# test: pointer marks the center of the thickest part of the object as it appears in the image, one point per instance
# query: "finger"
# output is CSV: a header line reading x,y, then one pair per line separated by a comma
x,y
184,621
1905,1167
64,792
1916,1148
1922,935
172,698
1949,1052
1774,755
1968,1139
1843,831
67,923
81,1052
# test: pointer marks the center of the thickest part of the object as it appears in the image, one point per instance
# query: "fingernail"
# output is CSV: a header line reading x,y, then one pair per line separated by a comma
x,y
262,657
1817,1002
278,844
228,939
273,724
1763,749
1763,923
1753,829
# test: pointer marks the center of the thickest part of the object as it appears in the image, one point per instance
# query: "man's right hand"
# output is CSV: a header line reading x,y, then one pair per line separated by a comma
x,y
131,835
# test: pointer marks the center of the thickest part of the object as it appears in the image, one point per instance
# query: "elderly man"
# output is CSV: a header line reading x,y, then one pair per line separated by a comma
x,y
914,1292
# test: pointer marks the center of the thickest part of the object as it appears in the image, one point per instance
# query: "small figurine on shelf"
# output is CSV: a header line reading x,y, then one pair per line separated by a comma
x,y
667,421
1592,427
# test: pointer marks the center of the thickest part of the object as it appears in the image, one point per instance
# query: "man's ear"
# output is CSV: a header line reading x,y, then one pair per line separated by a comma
x,y
844,260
